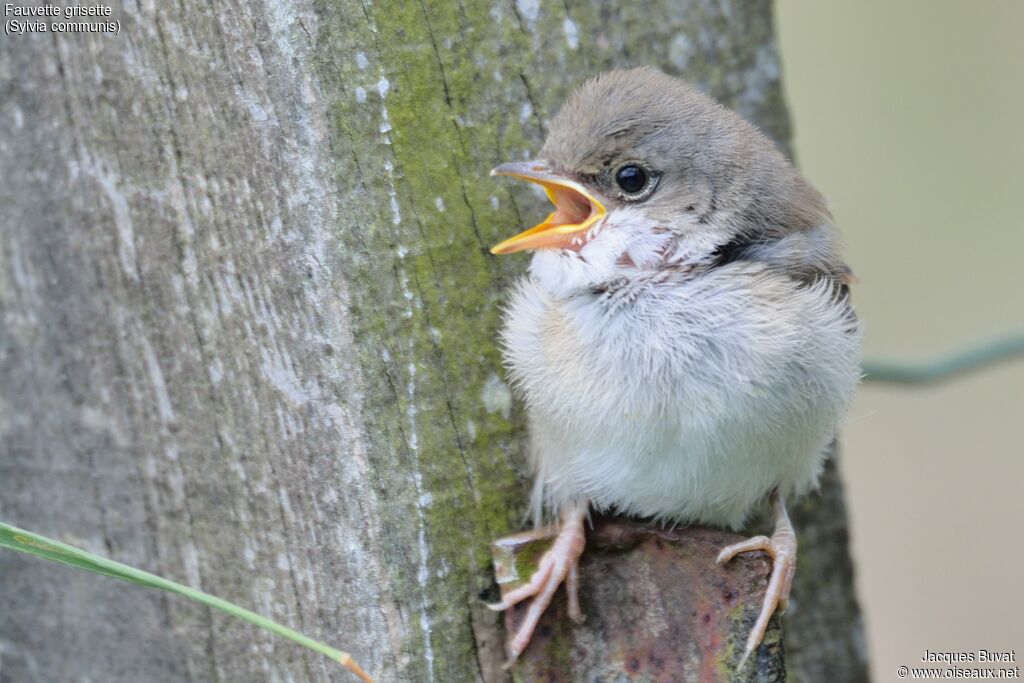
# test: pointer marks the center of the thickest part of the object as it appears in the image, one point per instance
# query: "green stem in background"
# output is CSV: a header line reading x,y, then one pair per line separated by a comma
x,y
956,363
47,548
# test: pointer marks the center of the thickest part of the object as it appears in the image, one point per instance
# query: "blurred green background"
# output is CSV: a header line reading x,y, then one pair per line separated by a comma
x,y
909,116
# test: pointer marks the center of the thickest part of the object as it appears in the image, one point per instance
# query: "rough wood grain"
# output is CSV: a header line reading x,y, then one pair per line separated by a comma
x,y
658,608
247,317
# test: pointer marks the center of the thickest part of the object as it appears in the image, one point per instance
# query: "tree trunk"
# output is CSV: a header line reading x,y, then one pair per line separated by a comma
x,y
248,323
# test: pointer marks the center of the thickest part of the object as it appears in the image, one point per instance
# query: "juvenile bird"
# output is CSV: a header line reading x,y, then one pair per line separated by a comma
x,y
683,340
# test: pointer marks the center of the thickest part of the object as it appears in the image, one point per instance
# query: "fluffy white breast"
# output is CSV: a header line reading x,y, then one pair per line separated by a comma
x,y
686,399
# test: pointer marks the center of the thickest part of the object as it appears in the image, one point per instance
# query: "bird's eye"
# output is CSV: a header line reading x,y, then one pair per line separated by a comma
x,y
631,178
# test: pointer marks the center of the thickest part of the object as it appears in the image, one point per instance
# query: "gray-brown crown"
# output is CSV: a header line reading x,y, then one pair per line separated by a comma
x,y
710,160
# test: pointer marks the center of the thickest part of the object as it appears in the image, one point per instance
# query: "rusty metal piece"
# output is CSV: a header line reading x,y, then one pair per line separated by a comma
x,y
657,608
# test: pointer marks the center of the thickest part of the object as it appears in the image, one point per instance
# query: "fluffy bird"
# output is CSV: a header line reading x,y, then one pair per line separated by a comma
x,y
683,340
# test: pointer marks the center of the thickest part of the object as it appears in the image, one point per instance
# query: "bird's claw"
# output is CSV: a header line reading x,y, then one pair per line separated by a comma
x,y
782,548
558,565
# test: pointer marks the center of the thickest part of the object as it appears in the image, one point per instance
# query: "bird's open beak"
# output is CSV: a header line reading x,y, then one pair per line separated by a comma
x,y
575,209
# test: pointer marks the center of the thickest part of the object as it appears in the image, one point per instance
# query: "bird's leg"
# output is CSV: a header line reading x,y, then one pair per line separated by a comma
x,y
559,564
782,547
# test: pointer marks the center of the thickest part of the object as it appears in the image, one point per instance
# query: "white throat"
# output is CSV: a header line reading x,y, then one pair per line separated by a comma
x,y
625,244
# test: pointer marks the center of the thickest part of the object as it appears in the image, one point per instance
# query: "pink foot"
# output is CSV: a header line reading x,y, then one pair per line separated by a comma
x,y
782,547
559,564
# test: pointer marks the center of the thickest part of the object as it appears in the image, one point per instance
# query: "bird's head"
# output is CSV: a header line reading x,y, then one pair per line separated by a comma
x,y
645,173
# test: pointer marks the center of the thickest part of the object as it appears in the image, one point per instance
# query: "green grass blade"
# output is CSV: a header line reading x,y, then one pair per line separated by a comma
x,y
27,542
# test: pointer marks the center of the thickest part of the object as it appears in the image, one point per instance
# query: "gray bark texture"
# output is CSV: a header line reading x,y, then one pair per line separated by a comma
x,y
247,323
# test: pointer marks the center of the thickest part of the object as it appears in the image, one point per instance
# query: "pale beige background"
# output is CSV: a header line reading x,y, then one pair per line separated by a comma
x,y
909,115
